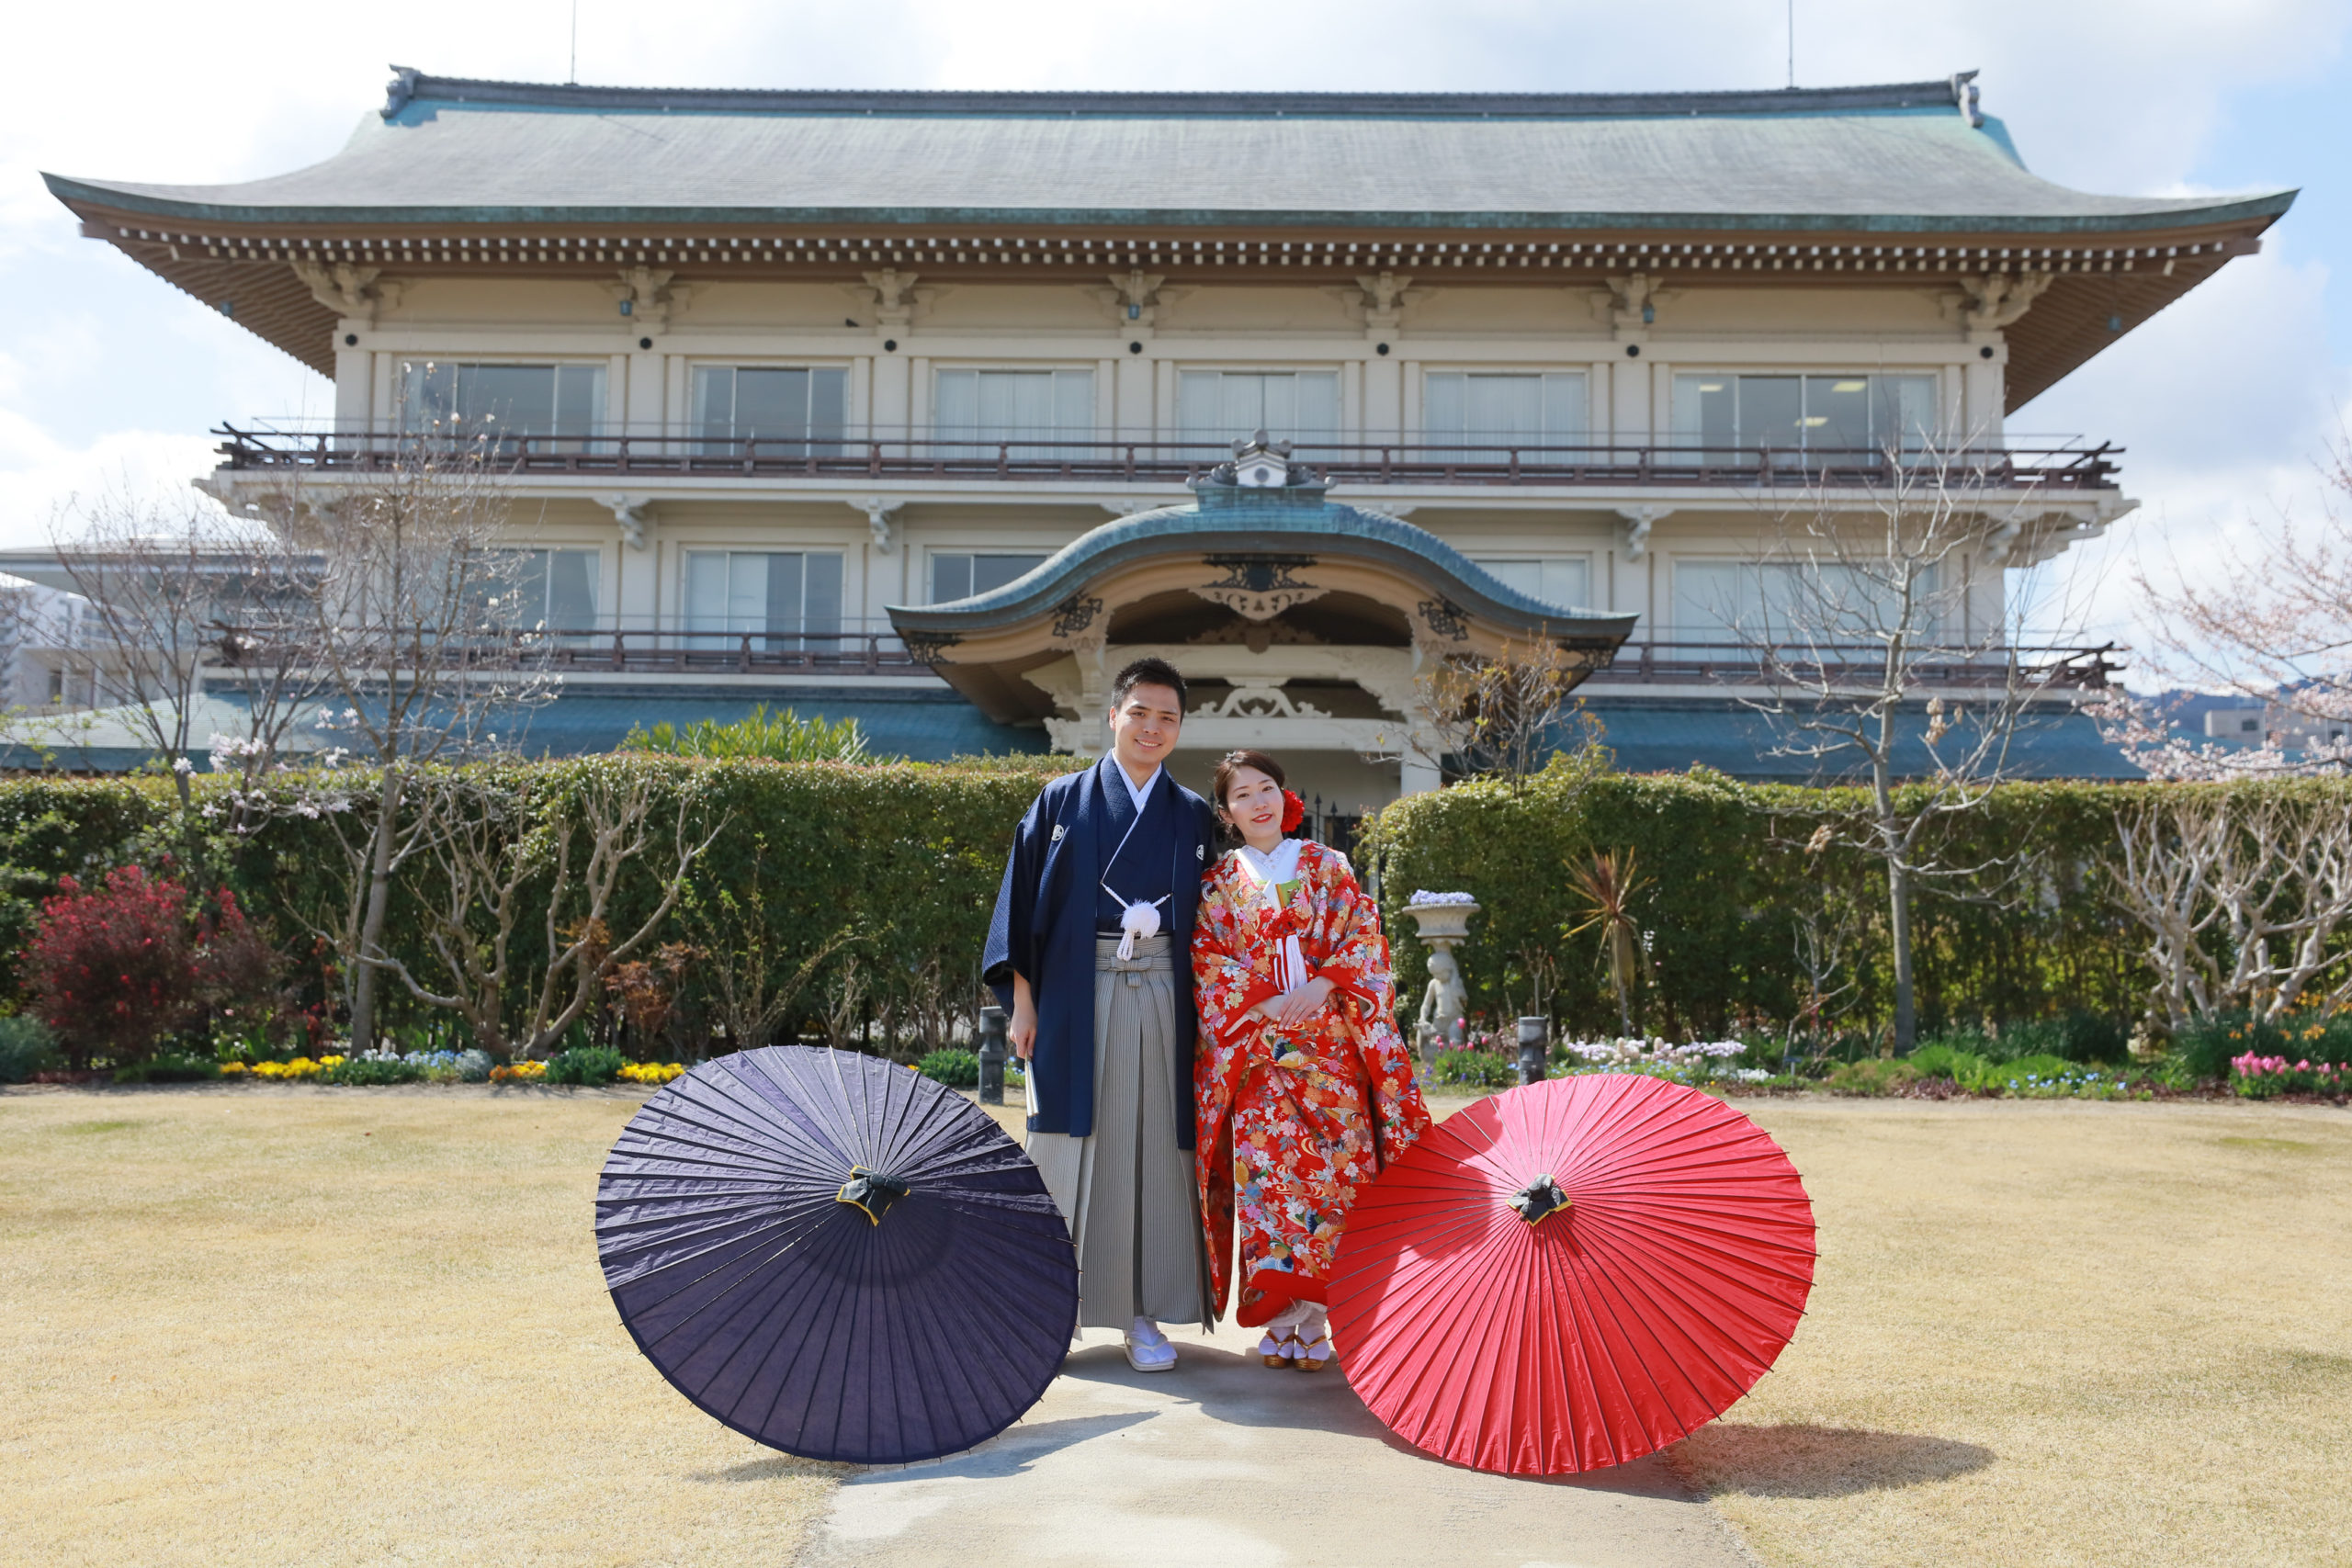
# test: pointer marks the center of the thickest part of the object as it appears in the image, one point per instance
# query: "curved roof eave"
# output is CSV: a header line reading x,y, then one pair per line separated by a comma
x,y
165,202
1332,528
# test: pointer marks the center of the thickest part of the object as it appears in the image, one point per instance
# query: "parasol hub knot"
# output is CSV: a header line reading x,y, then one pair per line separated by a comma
x,y
1540,1199
871,1193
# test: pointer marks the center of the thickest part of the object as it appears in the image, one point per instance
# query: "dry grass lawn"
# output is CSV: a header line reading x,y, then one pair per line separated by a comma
x,y
317,1327
2048,1332
305,1325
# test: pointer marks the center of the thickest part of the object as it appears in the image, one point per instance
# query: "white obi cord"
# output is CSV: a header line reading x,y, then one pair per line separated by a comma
x,y
1290,963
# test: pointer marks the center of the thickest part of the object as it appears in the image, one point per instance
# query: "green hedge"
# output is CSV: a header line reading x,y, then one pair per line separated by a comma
x,y
894,868
1732,882
904,858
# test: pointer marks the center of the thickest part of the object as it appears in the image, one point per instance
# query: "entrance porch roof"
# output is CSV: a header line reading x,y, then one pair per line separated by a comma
x,y
1258,557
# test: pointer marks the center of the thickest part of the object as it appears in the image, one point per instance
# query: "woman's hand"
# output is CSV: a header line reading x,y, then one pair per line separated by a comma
x,y
1293,1007
1021,1032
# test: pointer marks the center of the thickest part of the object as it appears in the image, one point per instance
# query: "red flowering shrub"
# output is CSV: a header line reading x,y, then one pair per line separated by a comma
x,y
113,969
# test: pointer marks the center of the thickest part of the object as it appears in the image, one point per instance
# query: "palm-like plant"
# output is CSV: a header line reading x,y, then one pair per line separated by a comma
x,y
1607,883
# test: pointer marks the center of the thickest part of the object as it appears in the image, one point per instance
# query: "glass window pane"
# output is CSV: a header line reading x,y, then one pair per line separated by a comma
x,y
714,402
771,405
1073,412
1317,416
821,607
706,590
1567,583
1506,411
747,592
571,590
956,407
781,610
1714,599
428,394
1838,416
828,408
1566,421
1706,411
516,398
1903,412
578,400
951,577
1445,406
1199,416
1526,576
1771,410
992,573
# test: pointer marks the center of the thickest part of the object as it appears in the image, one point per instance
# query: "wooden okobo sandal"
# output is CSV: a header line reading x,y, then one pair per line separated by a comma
x,y
1276,1352
1315,1354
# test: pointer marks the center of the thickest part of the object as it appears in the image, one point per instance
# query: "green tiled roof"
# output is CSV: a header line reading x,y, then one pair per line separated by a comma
x,y
1911,158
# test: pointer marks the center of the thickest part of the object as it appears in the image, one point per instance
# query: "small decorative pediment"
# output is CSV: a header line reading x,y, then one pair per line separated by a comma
x,y
1259,587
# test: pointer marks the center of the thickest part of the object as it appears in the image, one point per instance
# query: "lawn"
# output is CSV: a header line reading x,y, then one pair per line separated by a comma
x,y
2045,1332
309,1326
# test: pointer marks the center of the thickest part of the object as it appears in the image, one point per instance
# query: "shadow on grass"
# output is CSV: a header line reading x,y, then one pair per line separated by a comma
x,y
784,1467
1819,1462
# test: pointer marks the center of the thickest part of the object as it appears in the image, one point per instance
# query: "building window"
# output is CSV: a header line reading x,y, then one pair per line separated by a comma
x,y
556,590
784,597
1220,407
1481,410
791,414
1566,583
956,575
1032,410
1858,414
507,399
1780,602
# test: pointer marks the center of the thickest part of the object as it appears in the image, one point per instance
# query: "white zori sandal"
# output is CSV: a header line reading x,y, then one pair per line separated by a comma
x,y
1147,1348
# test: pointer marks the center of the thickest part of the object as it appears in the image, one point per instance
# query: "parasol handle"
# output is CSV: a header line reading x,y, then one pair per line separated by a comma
x,y
871,1193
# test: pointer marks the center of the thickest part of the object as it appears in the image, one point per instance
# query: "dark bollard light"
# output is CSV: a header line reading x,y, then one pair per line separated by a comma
x,y
993,1055
1531,1032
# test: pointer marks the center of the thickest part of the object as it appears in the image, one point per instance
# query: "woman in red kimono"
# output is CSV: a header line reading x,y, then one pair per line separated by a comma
x,y
1303,1087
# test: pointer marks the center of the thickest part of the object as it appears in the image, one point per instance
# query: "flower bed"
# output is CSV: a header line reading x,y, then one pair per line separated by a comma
x,y
2254,1076
652,1072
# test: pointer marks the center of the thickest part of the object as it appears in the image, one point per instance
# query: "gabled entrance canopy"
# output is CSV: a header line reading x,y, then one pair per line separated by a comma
x,y
1261,583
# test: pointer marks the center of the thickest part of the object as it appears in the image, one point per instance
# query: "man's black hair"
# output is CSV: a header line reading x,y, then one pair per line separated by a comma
x,y
1150,672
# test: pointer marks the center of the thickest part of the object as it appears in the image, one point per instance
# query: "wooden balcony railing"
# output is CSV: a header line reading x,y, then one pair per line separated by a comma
x,y
2044,667
323,450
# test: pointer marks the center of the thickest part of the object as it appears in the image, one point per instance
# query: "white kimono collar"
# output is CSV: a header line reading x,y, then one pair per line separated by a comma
x,y
1282,865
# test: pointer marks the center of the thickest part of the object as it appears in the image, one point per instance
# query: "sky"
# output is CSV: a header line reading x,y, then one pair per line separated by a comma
x,y
110,378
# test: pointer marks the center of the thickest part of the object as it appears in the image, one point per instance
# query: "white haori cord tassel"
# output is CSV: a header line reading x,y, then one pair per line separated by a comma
x,y
1138,922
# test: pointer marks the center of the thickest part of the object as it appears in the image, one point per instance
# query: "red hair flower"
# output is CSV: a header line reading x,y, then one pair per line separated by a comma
x,y
1293,811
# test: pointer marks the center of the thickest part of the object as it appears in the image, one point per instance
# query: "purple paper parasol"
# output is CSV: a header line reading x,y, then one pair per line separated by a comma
x,y
836,1256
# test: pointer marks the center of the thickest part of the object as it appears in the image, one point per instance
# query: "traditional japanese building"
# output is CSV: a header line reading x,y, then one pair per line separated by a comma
x,y
895,404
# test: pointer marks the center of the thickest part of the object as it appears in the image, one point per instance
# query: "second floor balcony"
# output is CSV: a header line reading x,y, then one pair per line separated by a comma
x,y
954,460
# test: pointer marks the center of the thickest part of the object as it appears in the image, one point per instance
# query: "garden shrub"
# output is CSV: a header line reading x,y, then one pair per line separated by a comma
x,y
2210,1045
1872,1076
371,1071
25,1047
112,968
585,1064
169,1066
1476,1070
956,1069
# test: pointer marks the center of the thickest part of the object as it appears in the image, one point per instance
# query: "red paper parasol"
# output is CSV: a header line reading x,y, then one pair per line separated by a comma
x,y
1572,1275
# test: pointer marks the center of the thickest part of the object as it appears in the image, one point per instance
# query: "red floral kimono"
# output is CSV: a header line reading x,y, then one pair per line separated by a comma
x,y
1295,1122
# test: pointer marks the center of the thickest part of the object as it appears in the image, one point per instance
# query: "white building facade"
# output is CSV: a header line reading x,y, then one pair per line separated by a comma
x,y
783,373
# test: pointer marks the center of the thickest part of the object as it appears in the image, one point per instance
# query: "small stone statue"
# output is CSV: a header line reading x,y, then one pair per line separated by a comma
x,y
1445,1002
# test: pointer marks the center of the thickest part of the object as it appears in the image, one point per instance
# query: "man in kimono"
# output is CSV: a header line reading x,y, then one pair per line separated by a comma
x,y
1091,952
